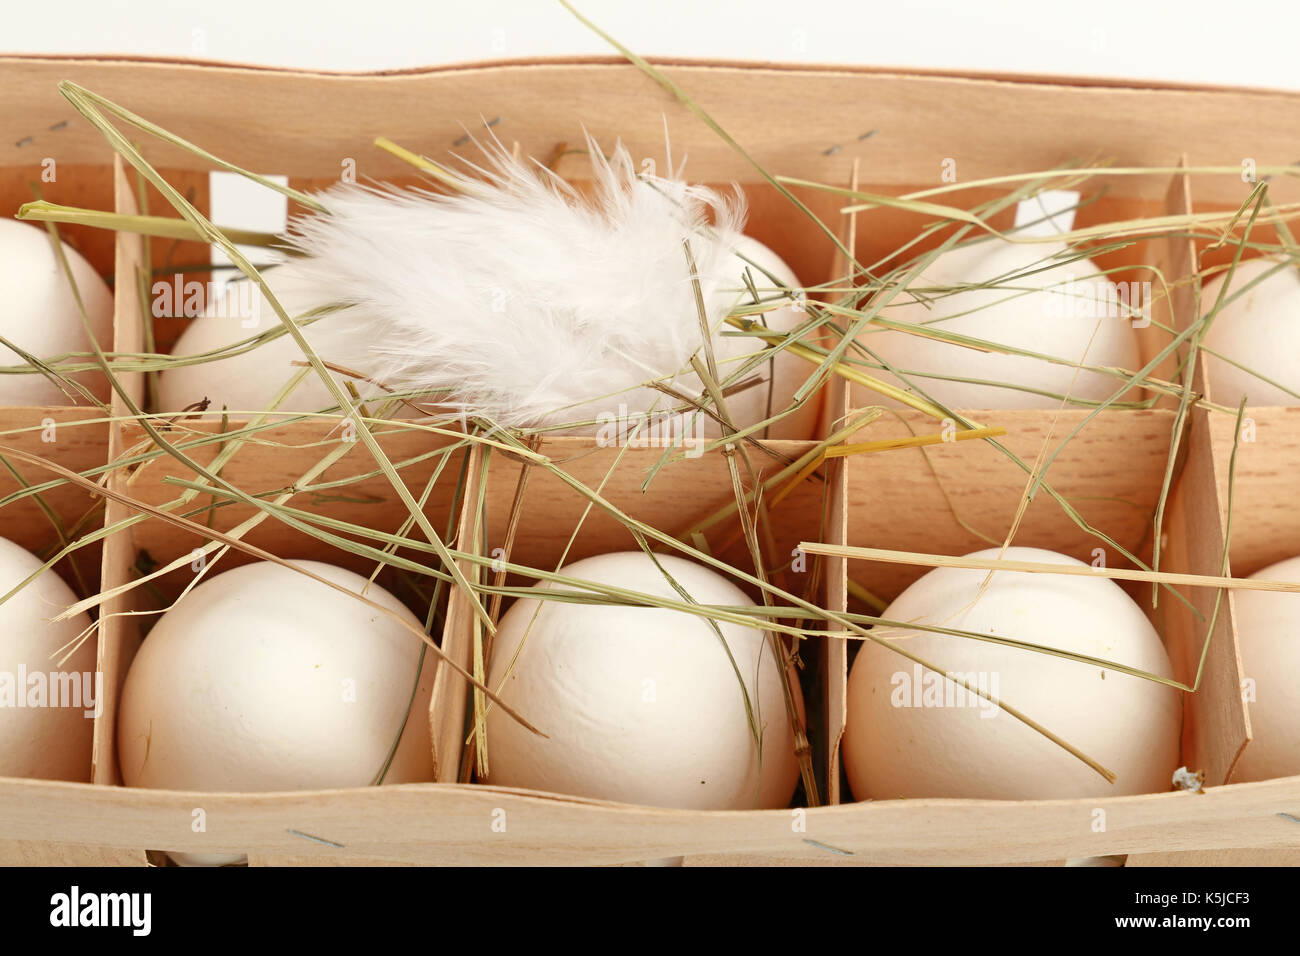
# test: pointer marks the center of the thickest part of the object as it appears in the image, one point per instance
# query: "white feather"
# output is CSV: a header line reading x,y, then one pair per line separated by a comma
x,y
527,303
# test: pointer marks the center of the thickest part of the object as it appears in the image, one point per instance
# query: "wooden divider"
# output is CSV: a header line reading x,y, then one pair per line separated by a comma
x,y
451,692
119,633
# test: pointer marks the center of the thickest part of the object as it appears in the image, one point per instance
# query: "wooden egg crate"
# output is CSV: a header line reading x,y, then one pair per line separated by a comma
x,y
901,128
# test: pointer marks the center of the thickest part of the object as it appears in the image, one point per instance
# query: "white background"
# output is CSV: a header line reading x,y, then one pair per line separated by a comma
x,y
1241,43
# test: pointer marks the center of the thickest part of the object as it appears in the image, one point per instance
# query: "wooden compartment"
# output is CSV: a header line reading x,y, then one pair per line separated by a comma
x,y
75,439
69,434
312,126
1264,527
39,510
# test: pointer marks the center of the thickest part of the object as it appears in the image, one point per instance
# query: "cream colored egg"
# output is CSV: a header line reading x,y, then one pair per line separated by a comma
x,y
249,382
1268,633
1034,302
263,679
640,705
47,704
1258,328
783,375
40,314
913,733
769,387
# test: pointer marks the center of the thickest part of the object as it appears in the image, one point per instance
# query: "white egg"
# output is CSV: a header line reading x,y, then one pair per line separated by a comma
x,y
769,387
1260,329
248,382
913,733
41,317
262,679
1068,310
640,705
1268,632
780,377
46,707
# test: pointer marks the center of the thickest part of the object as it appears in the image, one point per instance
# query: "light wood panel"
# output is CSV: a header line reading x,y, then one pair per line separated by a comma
x,y
452,824
990,124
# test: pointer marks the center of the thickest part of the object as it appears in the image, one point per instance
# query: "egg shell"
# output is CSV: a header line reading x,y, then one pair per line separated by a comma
x,y
1268,633
773,387
41,316
899,742
1057,317
249,382
45,742
786,372
1259,328
640,705
263,679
